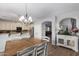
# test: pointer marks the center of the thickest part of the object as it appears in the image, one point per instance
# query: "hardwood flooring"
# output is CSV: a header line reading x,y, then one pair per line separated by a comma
x,y
60,51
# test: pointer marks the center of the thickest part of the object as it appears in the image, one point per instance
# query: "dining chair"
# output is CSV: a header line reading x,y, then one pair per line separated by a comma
x,y
41,49
30,51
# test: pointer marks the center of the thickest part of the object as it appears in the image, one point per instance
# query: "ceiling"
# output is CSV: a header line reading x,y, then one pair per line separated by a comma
x,y
12,11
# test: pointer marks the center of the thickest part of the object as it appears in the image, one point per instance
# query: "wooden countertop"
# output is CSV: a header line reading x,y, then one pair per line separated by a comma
x,y
15,45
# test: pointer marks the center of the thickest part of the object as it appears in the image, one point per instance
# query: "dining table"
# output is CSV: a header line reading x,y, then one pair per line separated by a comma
x,y
13,46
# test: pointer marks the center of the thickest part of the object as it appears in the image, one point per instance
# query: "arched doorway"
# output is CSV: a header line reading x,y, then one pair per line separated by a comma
x,y
47,30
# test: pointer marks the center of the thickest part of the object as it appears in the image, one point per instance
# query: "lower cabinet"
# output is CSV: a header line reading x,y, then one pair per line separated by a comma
x,y
68,41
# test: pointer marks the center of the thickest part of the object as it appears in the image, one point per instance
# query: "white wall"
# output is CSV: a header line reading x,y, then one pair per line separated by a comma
x,y
38,28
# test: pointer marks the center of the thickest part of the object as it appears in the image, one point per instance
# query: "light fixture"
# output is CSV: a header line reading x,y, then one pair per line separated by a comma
x,y
30,19
26,19
21,18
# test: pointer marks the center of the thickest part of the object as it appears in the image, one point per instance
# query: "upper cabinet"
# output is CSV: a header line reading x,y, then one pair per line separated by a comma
x,y
7,26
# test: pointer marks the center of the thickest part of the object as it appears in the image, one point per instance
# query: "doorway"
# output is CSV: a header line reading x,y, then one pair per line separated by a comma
x,y
47,30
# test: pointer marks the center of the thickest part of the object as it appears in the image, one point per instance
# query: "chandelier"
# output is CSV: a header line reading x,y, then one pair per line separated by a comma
x,y
25,20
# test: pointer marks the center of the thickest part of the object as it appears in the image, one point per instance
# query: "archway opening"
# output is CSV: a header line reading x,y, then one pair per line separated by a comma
x,y
47,30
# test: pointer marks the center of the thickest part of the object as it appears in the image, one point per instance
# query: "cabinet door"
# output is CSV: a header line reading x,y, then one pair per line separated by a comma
x,y
70,43
61,40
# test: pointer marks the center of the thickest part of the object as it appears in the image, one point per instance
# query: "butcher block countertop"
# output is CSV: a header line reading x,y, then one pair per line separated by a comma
x,y
15,45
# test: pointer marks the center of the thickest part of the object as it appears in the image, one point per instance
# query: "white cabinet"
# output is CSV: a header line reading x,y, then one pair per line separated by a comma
x,y
68,41
60,40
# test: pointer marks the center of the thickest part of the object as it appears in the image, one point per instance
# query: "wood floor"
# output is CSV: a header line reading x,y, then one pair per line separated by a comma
x,y
60,51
